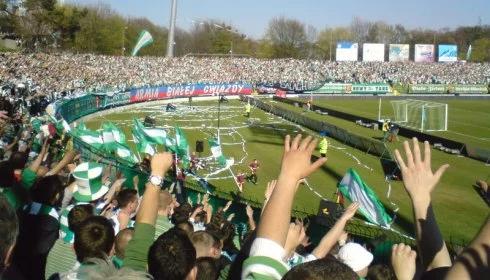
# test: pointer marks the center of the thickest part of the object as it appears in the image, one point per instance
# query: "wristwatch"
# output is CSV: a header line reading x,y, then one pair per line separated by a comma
x,y
156,180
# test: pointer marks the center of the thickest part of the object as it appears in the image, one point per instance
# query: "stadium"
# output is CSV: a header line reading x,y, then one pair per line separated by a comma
x,y
126,156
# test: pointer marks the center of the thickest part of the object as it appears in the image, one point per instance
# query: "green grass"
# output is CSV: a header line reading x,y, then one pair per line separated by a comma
x,y
468,120
459,209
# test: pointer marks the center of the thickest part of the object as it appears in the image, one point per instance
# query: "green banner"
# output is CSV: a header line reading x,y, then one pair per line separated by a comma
x,y
334,88
482,89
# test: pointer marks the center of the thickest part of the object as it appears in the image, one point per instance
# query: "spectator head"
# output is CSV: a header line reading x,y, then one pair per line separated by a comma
x,y
172,256
207,269
164,203
322,269
94,239
181,213
78,215
186,226
122,239
128,199
48,191
18,160
9,228
206,245
356,257
381,272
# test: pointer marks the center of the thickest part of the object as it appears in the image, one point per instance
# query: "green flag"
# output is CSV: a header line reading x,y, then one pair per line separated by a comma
x,y
216,151
153,135
182,146
125,153
117,133
144,40
92,138
356,190
142,144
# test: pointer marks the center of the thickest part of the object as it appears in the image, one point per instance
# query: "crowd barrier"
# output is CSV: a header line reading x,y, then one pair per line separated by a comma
x,y
75,108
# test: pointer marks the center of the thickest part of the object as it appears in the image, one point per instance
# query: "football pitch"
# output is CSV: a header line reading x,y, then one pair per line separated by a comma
x,y
459,209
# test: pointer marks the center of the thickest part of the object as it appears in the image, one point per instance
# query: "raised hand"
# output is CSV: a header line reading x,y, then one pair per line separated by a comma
x,y
160,163
296,161
418,178
250,211
269,189
350,211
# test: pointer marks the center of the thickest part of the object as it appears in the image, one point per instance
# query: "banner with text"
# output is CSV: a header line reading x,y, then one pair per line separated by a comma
x,y
362,88
399,52
424,53
347,51
163,92
475,89
448,53
373,52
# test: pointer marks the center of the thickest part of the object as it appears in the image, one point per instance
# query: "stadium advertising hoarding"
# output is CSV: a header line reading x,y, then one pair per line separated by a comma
x,y
475,89
399,52
363,88
347,51
119,98
448,53
373,52
424,53
163,92
370,88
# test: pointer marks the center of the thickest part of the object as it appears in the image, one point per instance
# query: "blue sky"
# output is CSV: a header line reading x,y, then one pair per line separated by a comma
x,y
252,16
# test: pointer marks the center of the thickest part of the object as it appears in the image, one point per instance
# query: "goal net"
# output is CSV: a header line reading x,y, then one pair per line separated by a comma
x,y
420,114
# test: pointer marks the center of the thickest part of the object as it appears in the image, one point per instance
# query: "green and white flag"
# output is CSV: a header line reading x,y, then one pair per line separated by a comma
x,y
182,146
144,40
153,135
142,144
216,151
92,138
125,153
356,190
113,132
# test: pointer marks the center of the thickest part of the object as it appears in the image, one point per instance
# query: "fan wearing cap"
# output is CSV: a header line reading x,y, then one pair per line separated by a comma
x,y
356,257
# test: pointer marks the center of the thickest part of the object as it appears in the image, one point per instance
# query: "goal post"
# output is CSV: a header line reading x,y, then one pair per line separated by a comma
x,y
420,114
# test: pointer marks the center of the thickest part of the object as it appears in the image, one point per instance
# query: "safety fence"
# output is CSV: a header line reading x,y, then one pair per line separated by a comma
x,y
73,109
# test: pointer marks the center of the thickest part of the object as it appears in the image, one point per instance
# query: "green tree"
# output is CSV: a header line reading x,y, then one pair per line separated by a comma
x,y
481,50
287,36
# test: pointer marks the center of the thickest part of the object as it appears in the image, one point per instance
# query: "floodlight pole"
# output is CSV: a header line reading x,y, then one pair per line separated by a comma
x,y
171,31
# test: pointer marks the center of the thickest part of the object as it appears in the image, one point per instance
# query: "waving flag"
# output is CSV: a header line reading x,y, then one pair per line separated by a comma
x,y
182,146
142,144
144,40
92,138
125,153
153,135
117,133
216,151
356,190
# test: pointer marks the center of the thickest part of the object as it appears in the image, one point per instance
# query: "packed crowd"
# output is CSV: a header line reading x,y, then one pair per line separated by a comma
x,y
55,73
86,220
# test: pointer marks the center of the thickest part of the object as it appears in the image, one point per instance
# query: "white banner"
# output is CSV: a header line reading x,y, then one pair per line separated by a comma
x,y
399,52
424,53
347,51
373,52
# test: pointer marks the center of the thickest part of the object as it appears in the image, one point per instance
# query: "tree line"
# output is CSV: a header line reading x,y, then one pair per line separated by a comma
x,y
42,25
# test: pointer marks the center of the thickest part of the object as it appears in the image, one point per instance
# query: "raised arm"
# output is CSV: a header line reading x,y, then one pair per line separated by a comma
x,y
68,158
37,162
296,165
474,262
328,241
420,181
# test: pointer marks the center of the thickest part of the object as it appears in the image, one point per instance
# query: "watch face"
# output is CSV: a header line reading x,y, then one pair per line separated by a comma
x,y
156,181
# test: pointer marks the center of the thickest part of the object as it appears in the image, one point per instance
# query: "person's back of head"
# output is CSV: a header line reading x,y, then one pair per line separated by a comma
x,y
102,270
126,197
380,272
205,244
172,256
207,269
186,226
322,269
48,191
356,257
9,228
122,239
94,238
181,213
78,215
18,160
